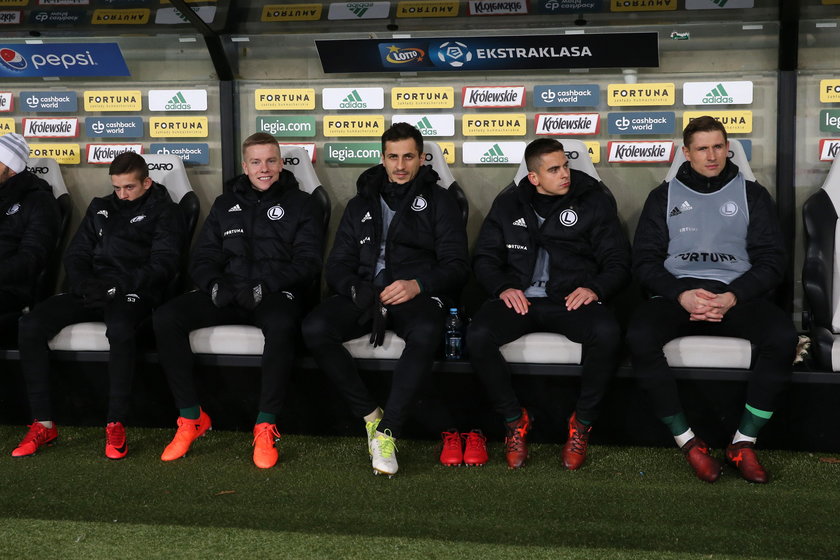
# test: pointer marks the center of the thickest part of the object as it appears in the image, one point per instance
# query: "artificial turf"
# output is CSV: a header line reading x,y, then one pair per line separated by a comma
x,y
322,501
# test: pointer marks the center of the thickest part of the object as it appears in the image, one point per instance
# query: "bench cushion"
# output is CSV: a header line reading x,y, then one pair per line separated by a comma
x,y
242,340
81,337
709,352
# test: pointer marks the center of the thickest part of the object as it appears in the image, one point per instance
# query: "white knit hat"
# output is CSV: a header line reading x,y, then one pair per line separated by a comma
x,y
14,152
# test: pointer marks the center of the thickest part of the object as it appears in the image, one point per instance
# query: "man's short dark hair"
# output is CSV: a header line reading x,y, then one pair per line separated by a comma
x,y
129,162
702,124
537,149
402,131
259,138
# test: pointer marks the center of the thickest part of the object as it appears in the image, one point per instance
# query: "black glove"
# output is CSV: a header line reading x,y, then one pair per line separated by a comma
x,y
96,293
249,298
380,321
221,294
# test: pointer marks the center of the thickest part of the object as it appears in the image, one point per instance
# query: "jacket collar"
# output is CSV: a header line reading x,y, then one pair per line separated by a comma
x,y
700,183
242,186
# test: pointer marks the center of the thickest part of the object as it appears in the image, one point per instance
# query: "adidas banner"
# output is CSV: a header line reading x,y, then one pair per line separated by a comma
x,y
718,93
606,50
177,100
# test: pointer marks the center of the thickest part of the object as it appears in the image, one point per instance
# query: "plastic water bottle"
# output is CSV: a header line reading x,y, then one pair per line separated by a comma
x,y
453,337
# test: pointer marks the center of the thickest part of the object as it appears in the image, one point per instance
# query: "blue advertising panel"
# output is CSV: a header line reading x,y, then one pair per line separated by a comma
x,y
638,50
567,95
62,59
567,6
646,122
49,101
192,153
114,127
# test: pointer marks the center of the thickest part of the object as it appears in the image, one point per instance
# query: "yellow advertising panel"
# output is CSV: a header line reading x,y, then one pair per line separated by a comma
x,y
107,100
448,149
178,127
594,148
4,3
642,5
292,12
139,16
632,95
7,126
735,122
423,98
362,125
830,89
427,8
494,124
302,99
62,153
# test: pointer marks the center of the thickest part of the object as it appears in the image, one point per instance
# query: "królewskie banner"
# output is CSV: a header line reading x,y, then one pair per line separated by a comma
x,y
604,50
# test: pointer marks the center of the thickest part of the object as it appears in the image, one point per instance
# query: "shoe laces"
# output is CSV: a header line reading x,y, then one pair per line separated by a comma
x,y
387,444
371,426
451,441
474,440
268,432
578,438
37,433
515,439
115,434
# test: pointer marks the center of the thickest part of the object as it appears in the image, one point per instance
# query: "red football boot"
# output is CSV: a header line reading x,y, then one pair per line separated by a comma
x,y
742,456
37,436
451,455
516,445
475,448
574,452
706,467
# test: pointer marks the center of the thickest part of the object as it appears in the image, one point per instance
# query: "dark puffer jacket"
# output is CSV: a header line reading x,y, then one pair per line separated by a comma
x,y
274,237
582,235
29,229
133,244
426,240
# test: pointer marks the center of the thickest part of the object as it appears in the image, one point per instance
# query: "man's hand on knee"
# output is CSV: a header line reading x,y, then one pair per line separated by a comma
x,y
399,292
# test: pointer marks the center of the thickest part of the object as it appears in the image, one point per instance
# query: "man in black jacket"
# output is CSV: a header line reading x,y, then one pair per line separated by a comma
x,y
257,254
551,252
709,251
399,259
119,265
29,224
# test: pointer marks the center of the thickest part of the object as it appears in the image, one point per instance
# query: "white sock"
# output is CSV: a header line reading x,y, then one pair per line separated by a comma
x,y
738,437
684,437
46,423
375,415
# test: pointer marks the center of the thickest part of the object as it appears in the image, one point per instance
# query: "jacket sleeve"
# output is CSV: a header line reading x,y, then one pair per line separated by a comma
x,y
78,258
208,258
765,247
307,248
167,244
453,267
342,270
650,248
36,243
611,251
490,263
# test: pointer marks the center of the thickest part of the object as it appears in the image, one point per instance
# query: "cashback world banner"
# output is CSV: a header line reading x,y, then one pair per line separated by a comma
x,y
605,50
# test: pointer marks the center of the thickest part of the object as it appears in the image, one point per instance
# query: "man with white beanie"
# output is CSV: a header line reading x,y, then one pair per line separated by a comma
x,y
29,226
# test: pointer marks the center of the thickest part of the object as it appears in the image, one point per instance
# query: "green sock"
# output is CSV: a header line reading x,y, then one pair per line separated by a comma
x,y
582,421
753,420
513,419
676,423
191,413
266,417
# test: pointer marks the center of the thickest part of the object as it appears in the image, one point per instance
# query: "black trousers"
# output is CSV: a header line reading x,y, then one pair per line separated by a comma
x,y
418,321
49,317
659,321
278,316
594,326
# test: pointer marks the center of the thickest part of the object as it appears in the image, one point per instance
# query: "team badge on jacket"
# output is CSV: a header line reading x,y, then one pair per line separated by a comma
x,y
419,204
568,217
13,209
729,208
139,218
275,212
